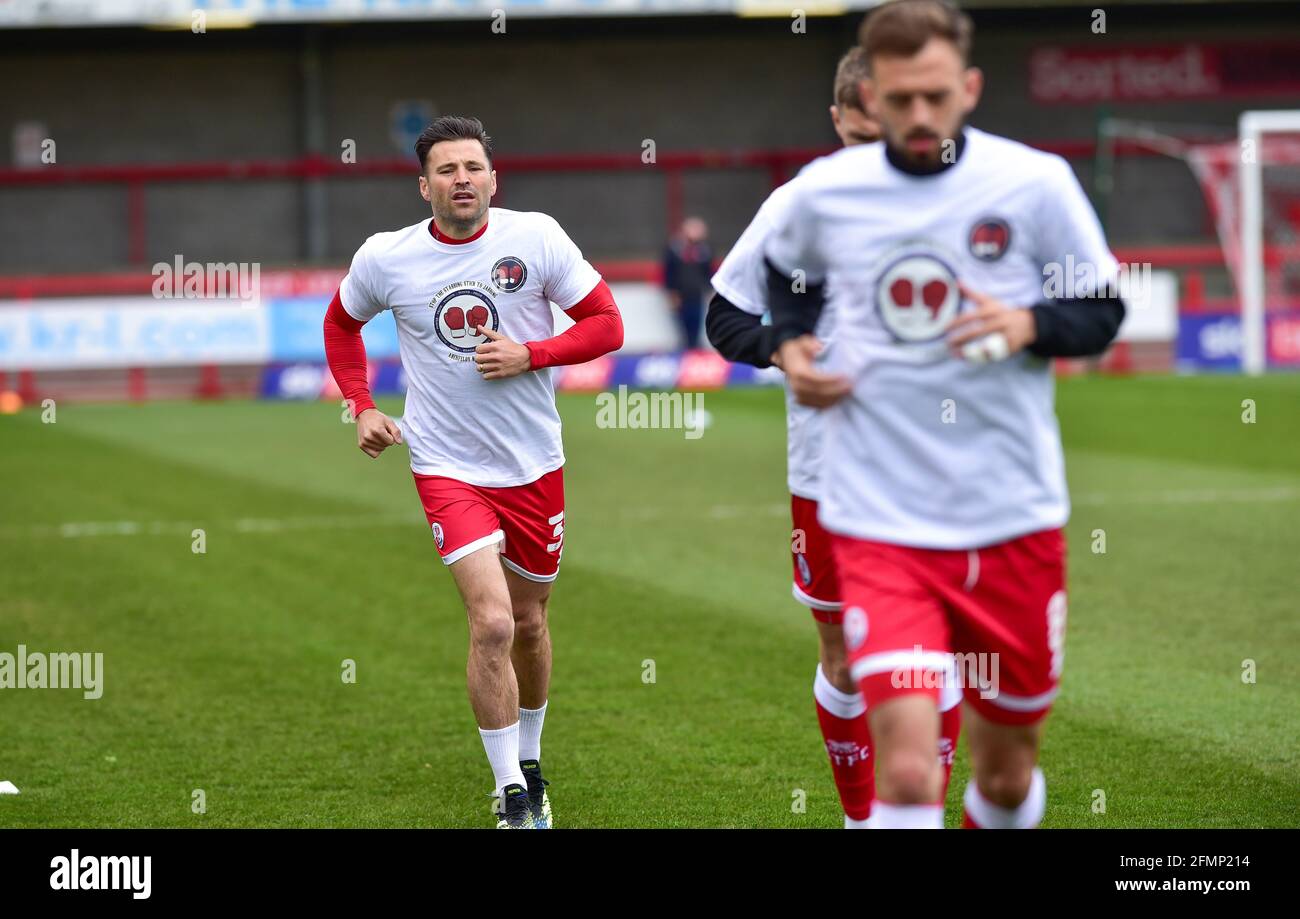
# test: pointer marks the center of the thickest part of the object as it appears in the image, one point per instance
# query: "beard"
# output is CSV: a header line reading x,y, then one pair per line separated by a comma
x,y
933,159
930,158
455,218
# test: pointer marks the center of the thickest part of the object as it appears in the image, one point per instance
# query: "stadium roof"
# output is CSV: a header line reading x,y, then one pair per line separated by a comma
x,y
202,15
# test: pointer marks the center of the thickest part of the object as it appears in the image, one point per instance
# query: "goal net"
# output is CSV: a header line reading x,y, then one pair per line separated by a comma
x,y
1252,186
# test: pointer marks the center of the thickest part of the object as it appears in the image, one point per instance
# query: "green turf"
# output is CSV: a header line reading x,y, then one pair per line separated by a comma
x,y
222,670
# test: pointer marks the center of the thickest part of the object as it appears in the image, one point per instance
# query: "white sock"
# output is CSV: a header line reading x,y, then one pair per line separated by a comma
x,y
502,746
905,816
990,816
530,732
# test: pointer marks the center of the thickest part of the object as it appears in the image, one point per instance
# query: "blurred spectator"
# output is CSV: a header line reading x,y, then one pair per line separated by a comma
x,y
688,265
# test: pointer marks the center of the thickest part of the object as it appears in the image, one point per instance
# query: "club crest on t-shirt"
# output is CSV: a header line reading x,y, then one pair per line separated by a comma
x,y
990,238
509,274
459,310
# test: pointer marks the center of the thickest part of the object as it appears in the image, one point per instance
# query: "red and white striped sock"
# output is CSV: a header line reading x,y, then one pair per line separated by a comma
x,y
983,814
842,718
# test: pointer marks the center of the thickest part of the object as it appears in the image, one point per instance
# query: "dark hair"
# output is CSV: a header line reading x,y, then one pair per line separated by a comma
x,y
901,28
452,127
851,71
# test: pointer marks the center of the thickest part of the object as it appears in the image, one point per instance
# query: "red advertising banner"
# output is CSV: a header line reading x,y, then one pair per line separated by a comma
x,y
1164,73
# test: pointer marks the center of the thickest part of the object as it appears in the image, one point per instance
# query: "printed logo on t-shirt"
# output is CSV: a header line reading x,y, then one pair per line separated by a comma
x,y
917,296
459,310
509,274
990,238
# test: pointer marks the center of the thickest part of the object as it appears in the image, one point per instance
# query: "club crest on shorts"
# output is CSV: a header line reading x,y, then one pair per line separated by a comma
x,y
805,573
917,296
855,627
990,238
509,274
437,533
457,316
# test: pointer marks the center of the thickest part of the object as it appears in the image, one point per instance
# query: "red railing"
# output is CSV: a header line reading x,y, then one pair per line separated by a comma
x,y
779,165
289,283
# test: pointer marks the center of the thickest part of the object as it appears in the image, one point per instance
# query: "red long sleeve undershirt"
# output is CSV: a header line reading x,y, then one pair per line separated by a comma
x,y
346,353
597,330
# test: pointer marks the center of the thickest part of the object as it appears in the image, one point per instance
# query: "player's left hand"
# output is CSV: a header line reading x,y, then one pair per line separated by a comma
x,y
991,317
811,386
499,358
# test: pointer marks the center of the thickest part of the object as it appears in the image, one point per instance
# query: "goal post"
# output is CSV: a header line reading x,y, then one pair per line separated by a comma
x,y
1253,131
1251,185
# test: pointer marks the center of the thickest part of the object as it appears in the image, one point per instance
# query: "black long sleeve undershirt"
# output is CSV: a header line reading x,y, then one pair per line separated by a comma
x,y
1076,328
794,313
1063,328
739,336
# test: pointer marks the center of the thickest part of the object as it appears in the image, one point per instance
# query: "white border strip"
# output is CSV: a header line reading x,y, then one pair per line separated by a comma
x,y
539,578
826,606
1024,703
886,661
457,554
972,569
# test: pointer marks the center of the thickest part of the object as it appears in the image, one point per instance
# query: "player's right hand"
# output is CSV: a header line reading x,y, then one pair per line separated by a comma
x,y
376,432
811,387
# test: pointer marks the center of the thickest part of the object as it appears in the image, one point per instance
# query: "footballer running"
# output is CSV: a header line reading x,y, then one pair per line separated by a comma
x,y
470,291
736,329
942,475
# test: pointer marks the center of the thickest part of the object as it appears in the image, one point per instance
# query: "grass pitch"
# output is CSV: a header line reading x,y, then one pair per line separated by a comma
x,y
222,670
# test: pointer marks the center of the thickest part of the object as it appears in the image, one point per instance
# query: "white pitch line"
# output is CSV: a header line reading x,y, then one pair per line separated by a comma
x,y
86,529
78,530
1192,496
715,511
274,525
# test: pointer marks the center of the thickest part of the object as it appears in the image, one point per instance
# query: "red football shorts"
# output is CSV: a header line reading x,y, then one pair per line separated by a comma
x,y
1000,609
815,584
527,519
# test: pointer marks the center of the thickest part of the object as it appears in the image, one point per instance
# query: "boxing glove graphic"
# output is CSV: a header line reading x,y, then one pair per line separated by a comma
x,y
933,294
509,276
455,319
901,293
476,316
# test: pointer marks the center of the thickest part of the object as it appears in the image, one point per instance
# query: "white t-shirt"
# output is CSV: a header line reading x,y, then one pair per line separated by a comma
x,y
491,433
742,280
930,450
